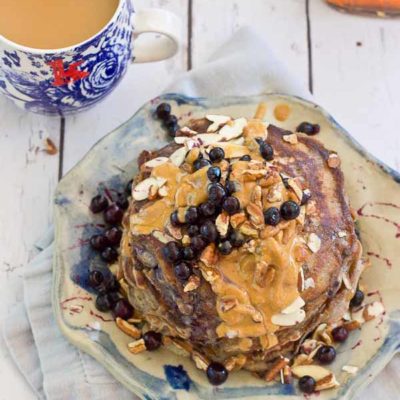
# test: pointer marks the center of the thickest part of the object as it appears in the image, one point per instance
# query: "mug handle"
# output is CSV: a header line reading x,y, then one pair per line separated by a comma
x,y
167,26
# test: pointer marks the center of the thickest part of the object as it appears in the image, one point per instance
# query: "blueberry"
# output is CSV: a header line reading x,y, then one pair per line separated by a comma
x,y
98,204
236,239
225,247
113,235
305,197
128,188
103,302
307,384
230,187
171,124
188,253
163,111
207,209
172,251
246,157
272,216
214,174
340,334
123,309
308,128
290,210
357,299
113,215
231,205
326,354
201,163
191,215
174,219
216,154
193,230
182,271
266,151
96,279
209,232
99,242
122,202
217,374
109,254
152,340
197,243
216,193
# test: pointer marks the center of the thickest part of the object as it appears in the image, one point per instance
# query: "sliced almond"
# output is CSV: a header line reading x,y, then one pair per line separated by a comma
x,y
233,130
342,234
200,360
373,310
162,237
327,382
187,131
309,283
314,242
163,191
315,371
352,325
137,346
127,328
178,156
222,223
333,160
295,187
309,345
142,190
288,319
206,139
293,307
302,359
217,121
235,363
350,369
192,284
292,138
155,162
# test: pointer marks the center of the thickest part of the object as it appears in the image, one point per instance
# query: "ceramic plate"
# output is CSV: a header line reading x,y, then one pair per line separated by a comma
x,y
373,189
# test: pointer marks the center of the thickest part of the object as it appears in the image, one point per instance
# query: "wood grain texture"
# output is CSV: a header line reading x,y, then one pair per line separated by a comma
x,y
141,83
28,176
281,23
356,66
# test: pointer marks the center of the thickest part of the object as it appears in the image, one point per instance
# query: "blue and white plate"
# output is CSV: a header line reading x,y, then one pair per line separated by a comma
x,y
373,189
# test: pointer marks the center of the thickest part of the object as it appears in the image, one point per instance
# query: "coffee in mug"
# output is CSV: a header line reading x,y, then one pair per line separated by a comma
x,y
47,24
62,56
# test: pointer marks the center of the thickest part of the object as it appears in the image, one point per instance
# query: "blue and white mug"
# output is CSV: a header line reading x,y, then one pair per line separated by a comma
x,y
71,79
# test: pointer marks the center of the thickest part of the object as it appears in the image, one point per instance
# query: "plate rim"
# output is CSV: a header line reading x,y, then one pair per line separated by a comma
x,y
95,350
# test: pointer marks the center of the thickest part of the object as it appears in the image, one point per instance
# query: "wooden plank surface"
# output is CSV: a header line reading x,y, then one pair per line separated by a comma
x,y
28,178
355,64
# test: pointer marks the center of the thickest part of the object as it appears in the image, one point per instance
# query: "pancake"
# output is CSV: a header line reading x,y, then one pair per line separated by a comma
x,y
256,298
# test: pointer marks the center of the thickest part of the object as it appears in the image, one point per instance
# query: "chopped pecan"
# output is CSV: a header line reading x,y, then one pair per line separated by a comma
x,y
274,370
200,360
333,160
222,223
237,219
128,328
137,346
247,229
256,215
209,256
192,284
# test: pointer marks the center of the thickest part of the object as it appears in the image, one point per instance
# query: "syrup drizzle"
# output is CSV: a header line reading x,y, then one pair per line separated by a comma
x,y
361,213
100,317
379,257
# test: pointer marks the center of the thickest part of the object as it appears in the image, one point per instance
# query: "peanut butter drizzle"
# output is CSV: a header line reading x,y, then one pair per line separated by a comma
x,y
259,284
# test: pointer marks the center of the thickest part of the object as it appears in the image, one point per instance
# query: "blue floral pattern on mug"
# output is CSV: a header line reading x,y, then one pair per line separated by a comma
x,y
63,82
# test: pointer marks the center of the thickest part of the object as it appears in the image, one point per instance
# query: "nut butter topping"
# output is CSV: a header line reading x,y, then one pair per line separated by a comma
x,y
256,282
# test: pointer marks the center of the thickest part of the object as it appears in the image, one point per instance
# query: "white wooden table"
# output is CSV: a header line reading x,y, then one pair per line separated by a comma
x,y
350,63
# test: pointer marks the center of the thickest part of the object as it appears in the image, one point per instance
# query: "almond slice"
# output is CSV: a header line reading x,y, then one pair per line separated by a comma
x,y
155,162
350,369
234,130
178,156
142,190
315,371
373,310
328,382
217,121
206,139
293,307
314,242
292,138
288,319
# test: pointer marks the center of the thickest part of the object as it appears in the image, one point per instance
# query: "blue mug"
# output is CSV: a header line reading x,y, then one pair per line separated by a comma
x,y
71,79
